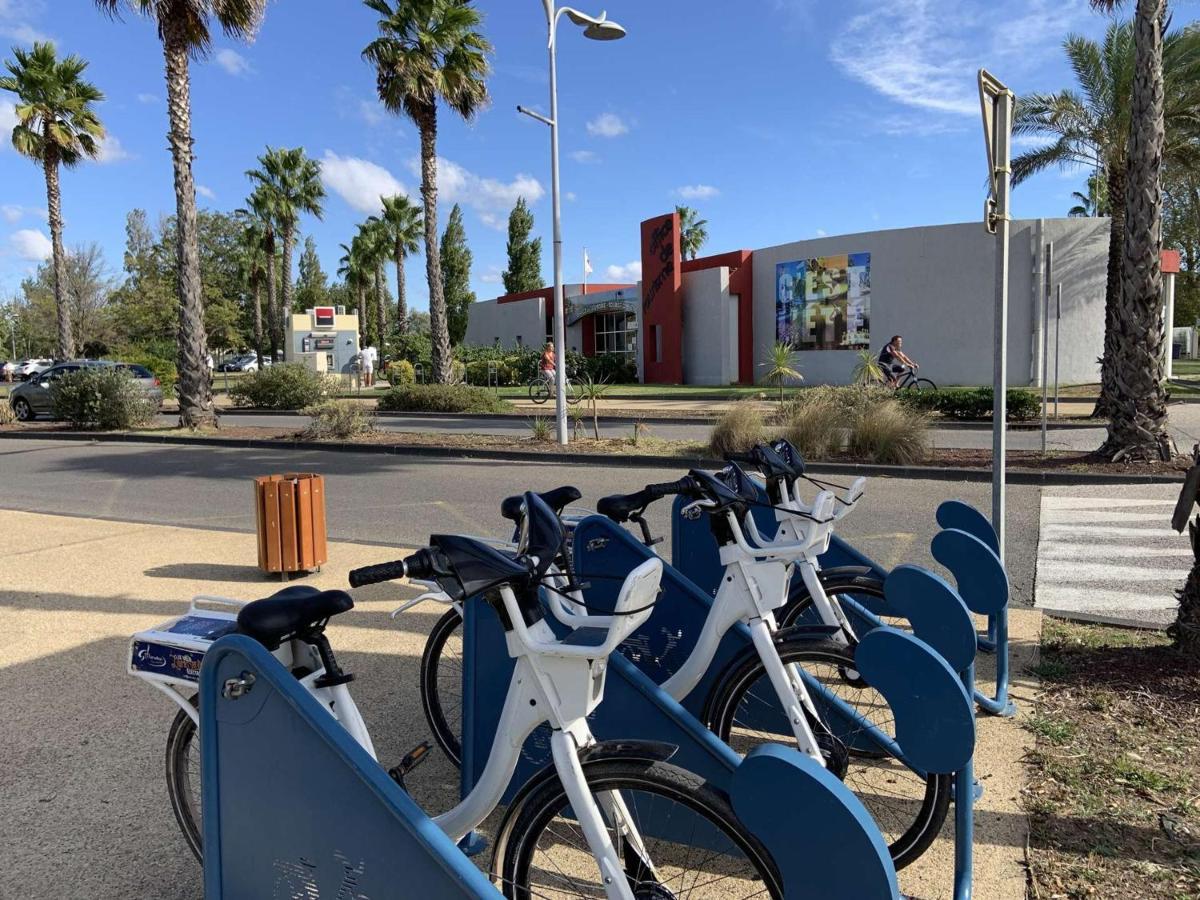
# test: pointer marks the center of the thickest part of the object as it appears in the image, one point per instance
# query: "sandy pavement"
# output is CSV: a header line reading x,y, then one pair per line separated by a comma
x,y
85,812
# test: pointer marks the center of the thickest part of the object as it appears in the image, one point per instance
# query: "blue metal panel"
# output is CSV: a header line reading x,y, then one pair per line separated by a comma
x,y
964,517
295,807
822,839
982,581
937,614
934,716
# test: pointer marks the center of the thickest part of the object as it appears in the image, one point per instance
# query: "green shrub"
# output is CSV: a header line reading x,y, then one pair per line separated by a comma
x,y
401,372
738,429
973,403
541,430
888,432
340,419
815,423
102,397
283,386
441,398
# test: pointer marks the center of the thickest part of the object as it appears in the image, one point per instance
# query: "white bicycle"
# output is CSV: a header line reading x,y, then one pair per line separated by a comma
x,y
600,821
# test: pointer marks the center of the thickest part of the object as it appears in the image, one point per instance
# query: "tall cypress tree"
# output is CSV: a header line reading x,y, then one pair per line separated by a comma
x,y
524,272
312,287
456,275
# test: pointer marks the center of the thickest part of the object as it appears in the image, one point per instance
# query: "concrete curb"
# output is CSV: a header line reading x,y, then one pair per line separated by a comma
x,y
629,461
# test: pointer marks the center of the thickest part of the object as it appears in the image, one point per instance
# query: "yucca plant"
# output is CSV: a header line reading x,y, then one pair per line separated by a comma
x,y
779,368
593,392
867,370
540,430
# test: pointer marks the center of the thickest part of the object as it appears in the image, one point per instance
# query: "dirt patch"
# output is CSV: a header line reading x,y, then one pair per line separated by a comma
x,y
1114,791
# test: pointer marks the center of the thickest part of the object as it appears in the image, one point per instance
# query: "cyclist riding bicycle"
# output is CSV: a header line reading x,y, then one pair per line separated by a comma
x,y
548,364
894,361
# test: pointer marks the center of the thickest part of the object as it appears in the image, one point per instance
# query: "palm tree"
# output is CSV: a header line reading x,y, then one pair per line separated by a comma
x,y
1092,204
1137,425
693,231
356,273
292,183
402,221
56,126
429,51
253,268
261,204
780,368
1092,129
376,248
183,28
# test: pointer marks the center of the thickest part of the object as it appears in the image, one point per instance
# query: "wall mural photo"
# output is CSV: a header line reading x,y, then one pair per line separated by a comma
x,y
824,303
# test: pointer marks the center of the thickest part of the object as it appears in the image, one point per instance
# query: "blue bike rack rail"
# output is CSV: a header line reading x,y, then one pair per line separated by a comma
x,y
294,807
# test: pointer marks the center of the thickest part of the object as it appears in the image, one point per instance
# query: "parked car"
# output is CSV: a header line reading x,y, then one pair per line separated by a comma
x,y
27,367
247,362
34,397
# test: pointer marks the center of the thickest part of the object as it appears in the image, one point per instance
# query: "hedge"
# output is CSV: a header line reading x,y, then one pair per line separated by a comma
x,y
441,398
973,403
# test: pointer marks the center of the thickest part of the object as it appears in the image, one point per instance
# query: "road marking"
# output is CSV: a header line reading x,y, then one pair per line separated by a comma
x,y
1109,556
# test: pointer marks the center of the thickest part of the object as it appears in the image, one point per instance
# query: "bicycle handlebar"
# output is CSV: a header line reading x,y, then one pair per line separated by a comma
x,y
622,507
421,566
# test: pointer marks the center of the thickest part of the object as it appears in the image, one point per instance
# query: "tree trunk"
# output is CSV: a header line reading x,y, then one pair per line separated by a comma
x,y
380,305
258,334
359,295
1138,418
401,300
285,308
66,340
1112,290
272,304
194,389
439,332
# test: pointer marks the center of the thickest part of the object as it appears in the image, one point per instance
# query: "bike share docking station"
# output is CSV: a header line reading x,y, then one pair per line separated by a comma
x,y
349,830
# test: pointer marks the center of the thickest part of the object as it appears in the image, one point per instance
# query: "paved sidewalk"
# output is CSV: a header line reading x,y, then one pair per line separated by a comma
x,y
1108,553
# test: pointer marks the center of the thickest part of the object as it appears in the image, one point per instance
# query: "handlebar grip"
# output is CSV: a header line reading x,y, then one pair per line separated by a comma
x,y
419,565
684,485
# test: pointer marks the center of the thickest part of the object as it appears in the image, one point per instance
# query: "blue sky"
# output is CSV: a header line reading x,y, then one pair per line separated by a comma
x,y
778,119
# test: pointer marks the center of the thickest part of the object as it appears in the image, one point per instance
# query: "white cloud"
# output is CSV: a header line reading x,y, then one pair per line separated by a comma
x,y
371,112
491,199
359,182
8,121
493,275
206,192
24,33
31,244
697,192
233,62
608,125
111,150
14,212
925,53
584,156
570,195
147,98
821,232
630,272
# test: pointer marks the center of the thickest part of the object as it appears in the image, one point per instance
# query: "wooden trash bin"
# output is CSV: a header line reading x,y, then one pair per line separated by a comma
x,y
290,510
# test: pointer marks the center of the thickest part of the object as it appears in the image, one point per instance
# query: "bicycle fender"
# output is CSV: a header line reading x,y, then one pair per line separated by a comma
x,y
798,590
601,751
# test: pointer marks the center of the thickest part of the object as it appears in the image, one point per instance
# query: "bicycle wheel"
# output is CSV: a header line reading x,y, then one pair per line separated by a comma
x,y
544,853
183,779
923,384
441,684
574,395
837,585
908,808
538,391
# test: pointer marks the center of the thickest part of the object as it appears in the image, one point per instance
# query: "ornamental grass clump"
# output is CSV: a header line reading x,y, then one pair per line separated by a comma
x,y
738,429
339,419
890,433
815,424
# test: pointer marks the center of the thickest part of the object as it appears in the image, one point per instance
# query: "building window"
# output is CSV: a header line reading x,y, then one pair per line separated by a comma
x,y
616,333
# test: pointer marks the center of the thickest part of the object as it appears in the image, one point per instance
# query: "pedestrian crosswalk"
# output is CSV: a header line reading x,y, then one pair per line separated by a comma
x,y
1110,557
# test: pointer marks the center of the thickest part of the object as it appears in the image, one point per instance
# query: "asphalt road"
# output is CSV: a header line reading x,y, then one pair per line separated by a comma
x,y
401,500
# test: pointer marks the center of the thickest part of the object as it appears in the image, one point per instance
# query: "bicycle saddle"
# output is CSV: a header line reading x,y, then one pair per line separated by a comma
x,y
290,611
557,499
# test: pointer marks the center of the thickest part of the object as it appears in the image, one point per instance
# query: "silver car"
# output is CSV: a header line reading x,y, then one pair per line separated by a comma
x,y
27,368
34,397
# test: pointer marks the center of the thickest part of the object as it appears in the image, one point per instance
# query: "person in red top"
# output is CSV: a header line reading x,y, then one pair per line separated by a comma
x,y
549,363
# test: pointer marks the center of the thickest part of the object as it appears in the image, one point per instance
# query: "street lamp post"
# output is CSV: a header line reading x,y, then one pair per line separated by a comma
x,y
598,28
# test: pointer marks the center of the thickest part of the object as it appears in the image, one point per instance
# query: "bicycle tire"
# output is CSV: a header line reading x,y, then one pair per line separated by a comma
x,y
800,600
871,776
574,396
922,384
518,849
433,663
183,780
538,392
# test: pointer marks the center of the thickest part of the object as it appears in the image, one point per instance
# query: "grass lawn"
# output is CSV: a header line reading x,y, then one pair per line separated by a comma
x,y
669,391
1114,786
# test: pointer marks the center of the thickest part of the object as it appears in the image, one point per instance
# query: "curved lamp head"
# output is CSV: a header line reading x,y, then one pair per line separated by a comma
x,y
598,28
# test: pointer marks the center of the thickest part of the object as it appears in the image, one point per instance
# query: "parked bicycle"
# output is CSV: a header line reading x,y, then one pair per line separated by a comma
x,y
593,800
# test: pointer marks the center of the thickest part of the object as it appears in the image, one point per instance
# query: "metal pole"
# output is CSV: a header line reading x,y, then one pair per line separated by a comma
x,y
1057,329
1046,338
1169,323
1001,136
560,325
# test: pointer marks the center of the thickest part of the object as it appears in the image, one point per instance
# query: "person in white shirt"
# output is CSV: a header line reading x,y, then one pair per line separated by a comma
x,y
369,356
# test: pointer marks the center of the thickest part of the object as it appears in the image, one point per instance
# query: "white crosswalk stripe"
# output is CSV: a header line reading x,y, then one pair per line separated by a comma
x,y
1110,556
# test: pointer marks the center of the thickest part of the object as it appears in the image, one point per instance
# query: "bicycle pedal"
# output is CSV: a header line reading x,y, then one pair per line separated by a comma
x,y
412,759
